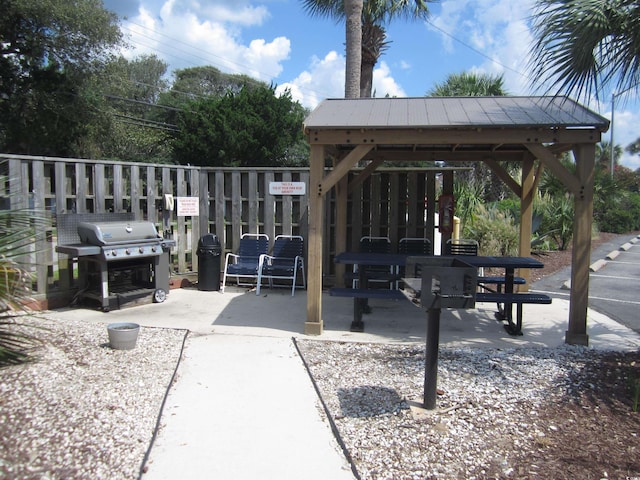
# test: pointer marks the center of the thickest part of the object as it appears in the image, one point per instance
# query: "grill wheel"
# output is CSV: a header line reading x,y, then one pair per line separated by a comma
x,y
159,295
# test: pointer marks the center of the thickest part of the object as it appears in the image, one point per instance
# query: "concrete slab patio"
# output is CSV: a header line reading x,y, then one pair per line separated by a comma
x,y
243,405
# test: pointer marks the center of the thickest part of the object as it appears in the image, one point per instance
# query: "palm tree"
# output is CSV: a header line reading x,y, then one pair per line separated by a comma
x,y
353,9
375,14
583,46
467,84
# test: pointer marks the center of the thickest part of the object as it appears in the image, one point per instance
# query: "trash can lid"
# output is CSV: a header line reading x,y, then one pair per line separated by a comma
x,y
209,240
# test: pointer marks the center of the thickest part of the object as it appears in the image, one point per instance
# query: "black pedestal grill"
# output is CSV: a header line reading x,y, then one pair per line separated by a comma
x,y
120,261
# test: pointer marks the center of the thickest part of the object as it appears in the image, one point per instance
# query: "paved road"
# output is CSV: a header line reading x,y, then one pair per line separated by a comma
x,y
614,289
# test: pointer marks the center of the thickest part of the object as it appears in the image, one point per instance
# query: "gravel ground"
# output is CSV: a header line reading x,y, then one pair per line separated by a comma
x,y
82,410
530,413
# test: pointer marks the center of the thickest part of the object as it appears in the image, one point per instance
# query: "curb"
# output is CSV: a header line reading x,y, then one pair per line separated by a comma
x,y
598,264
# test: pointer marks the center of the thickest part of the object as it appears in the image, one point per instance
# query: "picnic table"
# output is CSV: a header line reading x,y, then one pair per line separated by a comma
x,y
506,296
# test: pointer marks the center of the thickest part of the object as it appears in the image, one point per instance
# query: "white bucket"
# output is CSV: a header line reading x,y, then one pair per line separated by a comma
x,y
123,336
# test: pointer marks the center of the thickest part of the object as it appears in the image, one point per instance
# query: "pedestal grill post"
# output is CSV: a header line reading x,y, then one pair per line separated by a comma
x,y
431,358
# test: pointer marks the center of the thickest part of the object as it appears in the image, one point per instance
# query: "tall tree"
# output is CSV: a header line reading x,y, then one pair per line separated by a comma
x,y
353,9
191,83
135,129
375,15
251,128
48,48
584,46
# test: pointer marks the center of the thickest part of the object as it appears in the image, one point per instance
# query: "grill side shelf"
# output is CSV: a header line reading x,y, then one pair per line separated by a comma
x,y
79,250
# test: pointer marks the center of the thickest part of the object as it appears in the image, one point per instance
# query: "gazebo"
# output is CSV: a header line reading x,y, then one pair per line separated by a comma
x,y
531,130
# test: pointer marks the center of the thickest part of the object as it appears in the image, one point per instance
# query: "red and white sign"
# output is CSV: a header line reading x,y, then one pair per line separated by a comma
x,y
287,188
188,206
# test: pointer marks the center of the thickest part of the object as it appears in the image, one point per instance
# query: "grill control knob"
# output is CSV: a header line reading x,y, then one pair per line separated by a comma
x,y
128,251
154,248
113,253
141,250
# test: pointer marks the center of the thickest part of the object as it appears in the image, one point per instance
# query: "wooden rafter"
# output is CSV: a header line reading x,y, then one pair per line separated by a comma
x,y
551,161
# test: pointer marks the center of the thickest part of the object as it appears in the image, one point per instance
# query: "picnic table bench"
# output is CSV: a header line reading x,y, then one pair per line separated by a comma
x,y
517,299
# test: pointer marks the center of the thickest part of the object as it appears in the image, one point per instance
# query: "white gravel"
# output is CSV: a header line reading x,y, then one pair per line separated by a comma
x,y
484,419
83,410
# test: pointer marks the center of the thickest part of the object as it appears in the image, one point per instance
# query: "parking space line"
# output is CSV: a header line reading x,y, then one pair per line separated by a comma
x,y
599,275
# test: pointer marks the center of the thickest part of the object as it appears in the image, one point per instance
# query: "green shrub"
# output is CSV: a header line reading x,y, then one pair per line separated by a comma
x,y
620,215
495,231
556,220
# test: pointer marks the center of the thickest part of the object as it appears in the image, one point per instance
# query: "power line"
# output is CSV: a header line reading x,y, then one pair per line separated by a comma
x,y
226,62
143,122
140,102
476,50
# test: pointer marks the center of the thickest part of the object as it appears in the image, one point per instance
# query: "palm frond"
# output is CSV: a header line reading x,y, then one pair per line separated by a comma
x,y
18,231
15,345
584,46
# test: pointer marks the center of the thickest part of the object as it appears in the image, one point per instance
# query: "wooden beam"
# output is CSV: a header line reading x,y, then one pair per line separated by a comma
x,y
550,160
364,174
314,323
527,194
538,176
504,176
447,189
341,226
581,252
343,167
449,136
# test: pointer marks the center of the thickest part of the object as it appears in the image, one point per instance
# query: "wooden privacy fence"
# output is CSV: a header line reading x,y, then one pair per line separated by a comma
x,y
230,202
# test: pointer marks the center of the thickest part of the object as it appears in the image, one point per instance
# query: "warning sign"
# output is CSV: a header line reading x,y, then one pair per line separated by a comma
x,y
287,188
187,206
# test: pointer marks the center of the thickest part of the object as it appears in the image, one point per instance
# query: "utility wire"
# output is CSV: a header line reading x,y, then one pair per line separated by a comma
x,y
140,102
476,50
143,122
243,68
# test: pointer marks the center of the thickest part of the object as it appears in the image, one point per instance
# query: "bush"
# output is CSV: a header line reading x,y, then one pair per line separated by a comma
x,y
495,231
620,215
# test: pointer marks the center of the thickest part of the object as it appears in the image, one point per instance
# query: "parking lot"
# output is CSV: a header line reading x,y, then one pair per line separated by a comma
x,y
614,287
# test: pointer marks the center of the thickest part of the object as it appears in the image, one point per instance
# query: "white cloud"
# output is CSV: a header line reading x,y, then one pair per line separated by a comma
x,y
325,79
449,21
497,30
625,132
384,84
186,37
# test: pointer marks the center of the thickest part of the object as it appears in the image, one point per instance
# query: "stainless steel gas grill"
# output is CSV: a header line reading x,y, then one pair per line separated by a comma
x,y
119,261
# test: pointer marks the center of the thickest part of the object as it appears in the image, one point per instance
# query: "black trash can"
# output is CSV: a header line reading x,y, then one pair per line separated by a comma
x,y
209,253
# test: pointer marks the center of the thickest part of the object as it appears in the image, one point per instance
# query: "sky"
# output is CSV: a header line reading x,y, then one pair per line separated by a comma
x,y
278,42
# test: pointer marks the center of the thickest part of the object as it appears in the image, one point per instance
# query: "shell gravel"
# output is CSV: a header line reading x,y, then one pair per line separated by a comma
x,y
82,410
499,413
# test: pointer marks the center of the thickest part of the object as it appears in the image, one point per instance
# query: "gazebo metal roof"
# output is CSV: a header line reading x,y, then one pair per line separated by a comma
x,y
454,112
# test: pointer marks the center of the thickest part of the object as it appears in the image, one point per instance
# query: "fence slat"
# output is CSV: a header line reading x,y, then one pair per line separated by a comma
x,y
232,201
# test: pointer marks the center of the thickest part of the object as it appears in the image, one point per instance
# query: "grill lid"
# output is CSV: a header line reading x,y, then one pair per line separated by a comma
x,y
117,233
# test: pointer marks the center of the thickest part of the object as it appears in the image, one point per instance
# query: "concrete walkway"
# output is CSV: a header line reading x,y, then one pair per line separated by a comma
x,y
243,406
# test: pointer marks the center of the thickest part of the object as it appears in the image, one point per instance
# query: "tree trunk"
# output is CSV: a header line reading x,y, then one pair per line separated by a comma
x,y
366,78
353,13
